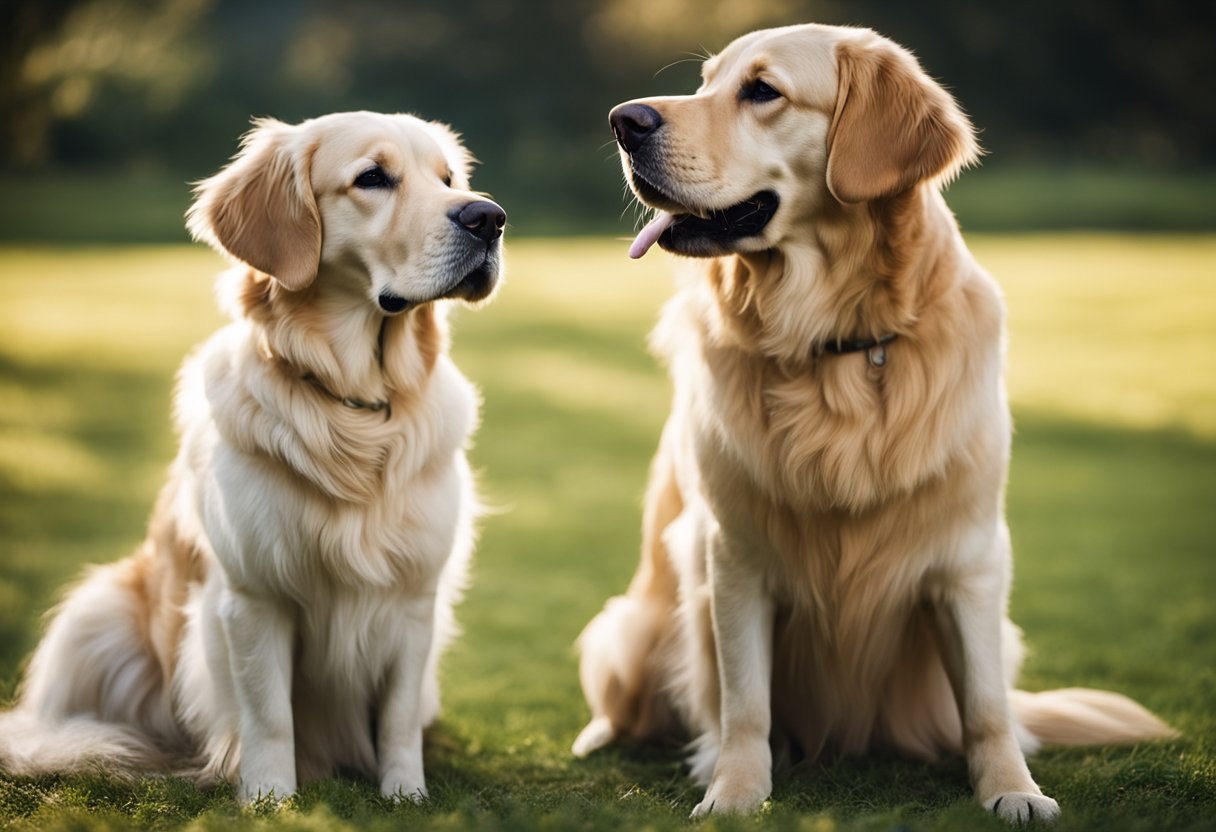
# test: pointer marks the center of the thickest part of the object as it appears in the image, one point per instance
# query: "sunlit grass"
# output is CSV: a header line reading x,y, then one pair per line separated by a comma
x,y
1111,502
141,307
1116,330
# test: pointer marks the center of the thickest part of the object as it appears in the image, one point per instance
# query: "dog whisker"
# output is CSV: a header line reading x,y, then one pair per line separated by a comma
x,y
694,58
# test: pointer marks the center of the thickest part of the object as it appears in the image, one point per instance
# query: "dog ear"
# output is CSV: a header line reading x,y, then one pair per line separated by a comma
x,y
894,126
260,209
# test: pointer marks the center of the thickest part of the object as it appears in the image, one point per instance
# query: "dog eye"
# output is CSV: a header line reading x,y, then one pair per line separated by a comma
x,y
447,179
373,177
758,91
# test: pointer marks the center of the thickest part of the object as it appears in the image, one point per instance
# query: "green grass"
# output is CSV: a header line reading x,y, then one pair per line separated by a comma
x,y
1112,503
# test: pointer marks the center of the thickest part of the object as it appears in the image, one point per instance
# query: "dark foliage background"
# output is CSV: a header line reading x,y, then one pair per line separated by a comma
x,y
159,90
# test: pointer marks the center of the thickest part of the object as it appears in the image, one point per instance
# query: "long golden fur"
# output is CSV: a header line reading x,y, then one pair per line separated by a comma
x,y
286,613
825,562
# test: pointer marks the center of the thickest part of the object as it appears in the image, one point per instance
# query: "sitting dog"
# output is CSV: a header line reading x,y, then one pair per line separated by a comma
x,y
285,615
825,561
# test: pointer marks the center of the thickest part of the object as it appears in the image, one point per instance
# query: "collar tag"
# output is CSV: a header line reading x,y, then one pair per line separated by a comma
x,y
358,404
874,348
349,401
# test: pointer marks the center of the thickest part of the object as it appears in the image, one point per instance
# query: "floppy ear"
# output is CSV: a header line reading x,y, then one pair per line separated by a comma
x,y
260,209
894,126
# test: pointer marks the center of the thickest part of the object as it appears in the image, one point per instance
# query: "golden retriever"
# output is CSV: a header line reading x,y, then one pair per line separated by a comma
x,y
286,613
825,562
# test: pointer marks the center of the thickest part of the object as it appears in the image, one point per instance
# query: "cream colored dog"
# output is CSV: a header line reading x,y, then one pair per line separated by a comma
x,y
825,561
286,614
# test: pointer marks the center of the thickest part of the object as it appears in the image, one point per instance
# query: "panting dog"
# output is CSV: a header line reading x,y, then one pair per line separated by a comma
x,y
825,563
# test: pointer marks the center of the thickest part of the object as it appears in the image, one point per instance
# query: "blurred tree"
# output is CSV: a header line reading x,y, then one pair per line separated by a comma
x,y
169,84
23,121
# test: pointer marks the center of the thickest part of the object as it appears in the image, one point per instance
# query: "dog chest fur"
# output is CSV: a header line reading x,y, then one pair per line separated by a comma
x,y
827,432
395,534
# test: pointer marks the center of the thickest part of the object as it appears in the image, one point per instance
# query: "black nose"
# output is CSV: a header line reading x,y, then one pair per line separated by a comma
x,y
633,123
483,219
391,303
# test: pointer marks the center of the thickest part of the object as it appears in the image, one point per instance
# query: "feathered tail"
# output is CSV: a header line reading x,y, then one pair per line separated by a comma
x,y
1082,716
32,746
93,694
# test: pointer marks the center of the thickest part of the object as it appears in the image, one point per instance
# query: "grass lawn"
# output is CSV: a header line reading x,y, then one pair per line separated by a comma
x,y
1112,503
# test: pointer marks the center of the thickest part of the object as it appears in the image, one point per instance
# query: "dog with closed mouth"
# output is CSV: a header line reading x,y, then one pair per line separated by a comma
x,y
285,616
825,562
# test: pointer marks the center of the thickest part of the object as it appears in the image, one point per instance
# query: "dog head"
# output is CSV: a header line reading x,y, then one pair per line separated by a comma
x,y
378,203
786,123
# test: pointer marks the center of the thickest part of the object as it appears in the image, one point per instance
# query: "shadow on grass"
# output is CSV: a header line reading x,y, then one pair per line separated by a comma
x,y
91,446
1114,582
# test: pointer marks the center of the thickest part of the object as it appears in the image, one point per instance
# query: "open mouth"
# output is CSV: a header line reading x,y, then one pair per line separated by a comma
x,y
709,234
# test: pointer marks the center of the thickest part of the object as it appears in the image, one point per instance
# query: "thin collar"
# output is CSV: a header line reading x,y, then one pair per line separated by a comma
x,y
349,401
874,348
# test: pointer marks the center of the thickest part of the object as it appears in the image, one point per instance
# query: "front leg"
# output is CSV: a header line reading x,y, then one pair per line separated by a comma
x,y
969,617
400,735
259,633
742,612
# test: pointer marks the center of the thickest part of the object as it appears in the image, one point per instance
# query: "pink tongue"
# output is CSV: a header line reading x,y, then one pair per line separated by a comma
x,y
649,235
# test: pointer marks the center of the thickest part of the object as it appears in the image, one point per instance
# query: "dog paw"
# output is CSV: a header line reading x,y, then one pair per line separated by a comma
x,y
733,797
401,785
1023,807
400,795
259,794
404,792
598,733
